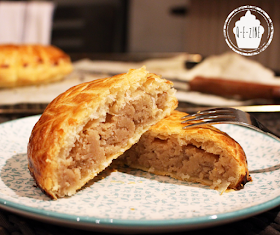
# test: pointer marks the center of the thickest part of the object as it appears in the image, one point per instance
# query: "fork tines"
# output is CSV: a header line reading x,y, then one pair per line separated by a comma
x,y
210,116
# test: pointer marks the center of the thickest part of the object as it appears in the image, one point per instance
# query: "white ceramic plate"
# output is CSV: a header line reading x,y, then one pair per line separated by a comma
x,y
132,200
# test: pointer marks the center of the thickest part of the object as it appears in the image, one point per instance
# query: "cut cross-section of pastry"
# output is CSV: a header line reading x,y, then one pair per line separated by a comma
x,y
85,128
199,154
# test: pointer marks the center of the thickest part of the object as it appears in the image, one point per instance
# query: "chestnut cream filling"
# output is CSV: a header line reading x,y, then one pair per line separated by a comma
x,y
189,161
100,139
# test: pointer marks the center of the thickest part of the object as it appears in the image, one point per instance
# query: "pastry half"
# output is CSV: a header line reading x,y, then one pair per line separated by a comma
x,y
85,128
199,154
22,65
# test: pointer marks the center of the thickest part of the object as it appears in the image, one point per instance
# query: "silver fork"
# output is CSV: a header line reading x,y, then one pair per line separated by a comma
x,y
227,115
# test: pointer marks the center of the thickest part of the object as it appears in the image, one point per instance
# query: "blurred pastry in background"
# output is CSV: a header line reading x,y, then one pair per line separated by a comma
x,y
23,65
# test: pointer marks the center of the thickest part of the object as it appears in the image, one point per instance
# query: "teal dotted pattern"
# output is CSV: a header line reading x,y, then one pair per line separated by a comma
x,y
133,197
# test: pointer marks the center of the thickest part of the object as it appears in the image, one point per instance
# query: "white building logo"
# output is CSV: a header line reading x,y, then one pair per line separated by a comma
x,y
248,30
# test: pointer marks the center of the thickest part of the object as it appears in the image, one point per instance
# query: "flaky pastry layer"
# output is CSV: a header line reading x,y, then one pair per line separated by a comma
x,y
199,154
85,128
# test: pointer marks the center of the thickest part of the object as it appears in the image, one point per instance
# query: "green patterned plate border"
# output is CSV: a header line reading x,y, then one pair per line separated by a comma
x,y
129,200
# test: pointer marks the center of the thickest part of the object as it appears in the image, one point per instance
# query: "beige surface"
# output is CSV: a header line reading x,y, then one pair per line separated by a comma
x,y
169,68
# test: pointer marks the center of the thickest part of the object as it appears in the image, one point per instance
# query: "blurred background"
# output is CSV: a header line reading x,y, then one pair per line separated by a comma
x,y
94,33
149,26
193,26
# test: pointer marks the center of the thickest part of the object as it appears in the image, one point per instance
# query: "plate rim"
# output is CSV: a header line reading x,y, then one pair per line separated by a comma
x,y
93,223
117,225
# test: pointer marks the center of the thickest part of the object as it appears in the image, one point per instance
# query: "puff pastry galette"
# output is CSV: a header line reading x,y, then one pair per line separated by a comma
x,y
199,154
22,65
85,128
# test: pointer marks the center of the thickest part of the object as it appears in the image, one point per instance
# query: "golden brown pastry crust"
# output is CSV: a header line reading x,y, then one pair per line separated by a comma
x,y
205,137
22,65
58,127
